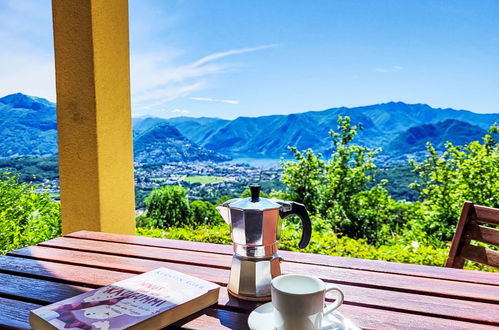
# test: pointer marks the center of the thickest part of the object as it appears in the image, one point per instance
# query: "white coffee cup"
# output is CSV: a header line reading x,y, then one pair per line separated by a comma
x,y
298,301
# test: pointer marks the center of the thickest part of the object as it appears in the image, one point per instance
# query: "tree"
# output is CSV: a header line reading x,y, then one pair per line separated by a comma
x,y
459,174
167,206
304,177
346,172
337,189
204,213
27,217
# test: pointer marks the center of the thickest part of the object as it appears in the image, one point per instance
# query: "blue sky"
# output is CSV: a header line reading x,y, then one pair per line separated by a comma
x,y
230,58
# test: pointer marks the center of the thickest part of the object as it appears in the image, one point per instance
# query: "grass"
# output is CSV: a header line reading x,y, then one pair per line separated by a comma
x,y
203,179
159,179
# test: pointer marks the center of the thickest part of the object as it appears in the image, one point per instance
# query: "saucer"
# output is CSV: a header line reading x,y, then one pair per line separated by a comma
x,y
262,318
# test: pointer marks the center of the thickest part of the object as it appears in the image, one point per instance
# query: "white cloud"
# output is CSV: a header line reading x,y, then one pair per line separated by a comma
x,y
169,93
216,56
230,101
180,111
156,79
165,94
394,68
210,99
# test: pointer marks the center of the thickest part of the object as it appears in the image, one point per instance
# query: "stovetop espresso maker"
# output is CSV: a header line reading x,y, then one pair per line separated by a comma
x,y
255,229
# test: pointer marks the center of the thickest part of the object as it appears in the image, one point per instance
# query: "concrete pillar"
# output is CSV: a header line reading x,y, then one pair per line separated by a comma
x,y
93,115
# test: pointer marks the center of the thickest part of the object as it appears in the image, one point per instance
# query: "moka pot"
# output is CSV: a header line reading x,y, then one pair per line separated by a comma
x,y
255,226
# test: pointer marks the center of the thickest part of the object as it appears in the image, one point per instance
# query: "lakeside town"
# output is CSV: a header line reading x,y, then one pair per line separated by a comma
x,y
153,176
203,180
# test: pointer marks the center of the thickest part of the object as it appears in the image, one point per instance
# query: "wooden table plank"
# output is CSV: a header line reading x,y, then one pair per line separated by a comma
x,y
59,272
152,241
212,318
372,318
376,298
317,259
396,282
14,313
119,263
36,290
202,258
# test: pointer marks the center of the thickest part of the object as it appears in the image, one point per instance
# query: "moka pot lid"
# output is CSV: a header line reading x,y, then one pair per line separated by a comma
x,y
255,202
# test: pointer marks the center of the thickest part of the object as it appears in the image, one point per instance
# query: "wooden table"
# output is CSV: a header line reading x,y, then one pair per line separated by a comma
x,y
380,295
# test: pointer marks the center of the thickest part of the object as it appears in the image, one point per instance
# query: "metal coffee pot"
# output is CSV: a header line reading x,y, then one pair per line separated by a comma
x,y
255,228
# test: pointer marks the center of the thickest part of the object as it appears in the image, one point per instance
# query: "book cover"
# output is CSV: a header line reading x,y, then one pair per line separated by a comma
x,y
156,298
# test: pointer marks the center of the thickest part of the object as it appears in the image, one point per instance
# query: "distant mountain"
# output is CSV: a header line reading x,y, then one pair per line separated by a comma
x,y
199,130
163,143
27,126
414,139
271,135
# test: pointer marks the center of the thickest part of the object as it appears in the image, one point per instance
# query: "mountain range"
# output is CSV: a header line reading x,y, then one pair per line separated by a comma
x,y
397,127
28,127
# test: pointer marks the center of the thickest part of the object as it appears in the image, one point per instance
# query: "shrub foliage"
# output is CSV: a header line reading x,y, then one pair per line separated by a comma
x,y
337,189
27,217
169,206
469,173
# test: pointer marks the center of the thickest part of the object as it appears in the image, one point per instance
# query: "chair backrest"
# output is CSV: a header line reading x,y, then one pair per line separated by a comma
x,y
469,229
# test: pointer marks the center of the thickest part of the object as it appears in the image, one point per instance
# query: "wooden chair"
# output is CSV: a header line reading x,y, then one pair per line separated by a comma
x,y
469,229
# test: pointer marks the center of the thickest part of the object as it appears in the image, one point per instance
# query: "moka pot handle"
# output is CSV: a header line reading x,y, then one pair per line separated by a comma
x,y
300,210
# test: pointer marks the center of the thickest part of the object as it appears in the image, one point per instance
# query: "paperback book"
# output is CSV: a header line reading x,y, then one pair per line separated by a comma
x,y
148,301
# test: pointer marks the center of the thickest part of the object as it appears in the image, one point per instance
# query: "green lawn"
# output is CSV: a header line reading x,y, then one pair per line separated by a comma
x,y
158,179
203,179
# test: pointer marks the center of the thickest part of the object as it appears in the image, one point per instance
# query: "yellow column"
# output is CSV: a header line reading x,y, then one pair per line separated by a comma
x,y
93,115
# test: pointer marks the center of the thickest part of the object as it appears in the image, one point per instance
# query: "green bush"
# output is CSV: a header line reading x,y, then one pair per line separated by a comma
x,y
459,174
27,217
337,189
204,213
169,206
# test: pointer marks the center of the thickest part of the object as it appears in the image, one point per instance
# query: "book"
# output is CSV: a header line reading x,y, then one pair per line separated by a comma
x,y
148,301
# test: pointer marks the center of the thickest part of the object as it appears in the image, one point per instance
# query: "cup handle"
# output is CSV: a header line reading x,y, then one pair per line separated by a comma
x,y
337,302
